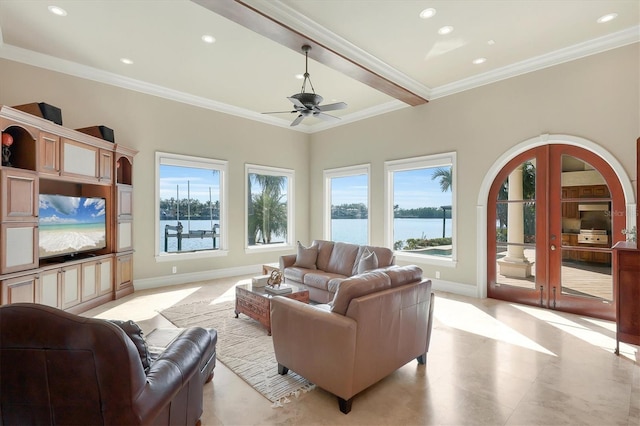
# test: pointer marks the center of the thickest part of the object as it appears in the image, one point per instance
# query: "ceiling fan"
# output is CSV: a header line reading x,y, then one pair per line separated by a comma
x,y
308,104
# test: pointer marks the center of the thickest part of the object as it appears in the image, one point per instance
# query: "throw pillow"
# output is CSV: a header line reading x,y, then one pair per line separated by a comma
x,y
368,261
134,332
306,257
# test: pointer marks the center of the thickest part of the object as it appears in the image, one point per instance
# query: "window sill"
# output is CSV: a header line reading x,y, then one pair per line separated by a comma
x,y
205,254
426,259
268,248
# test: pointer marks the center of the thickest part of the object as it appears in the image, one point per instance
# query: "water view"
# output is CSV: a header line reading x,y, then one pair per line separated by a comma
x,y
347,230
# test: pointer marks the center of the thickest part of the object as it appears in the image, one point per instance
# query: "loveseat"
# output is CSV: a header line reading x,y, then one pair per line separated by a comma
x,y
377,322
324,264
59,368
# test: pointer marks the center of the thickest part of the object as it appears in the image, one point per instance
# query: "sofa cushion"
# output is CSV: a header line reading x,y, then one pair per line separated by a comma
x,y
343,258
296,274
359,285
368,261
306,257
384,255
134,332
400,275
324,253
320,279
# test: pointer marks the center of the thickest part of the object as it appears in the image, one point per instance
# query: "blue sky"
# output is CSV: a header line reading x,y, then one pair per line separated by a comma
x,y
412,189
199,182
56,209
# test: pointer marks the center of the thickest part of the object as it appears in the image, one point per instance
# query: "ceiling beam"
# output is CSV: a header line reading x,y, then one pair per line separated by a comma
x,y
246,15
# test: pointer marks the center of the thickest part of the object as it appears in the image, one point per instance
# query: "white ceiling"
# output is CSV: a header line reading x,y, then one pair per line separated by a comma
x,y
244,73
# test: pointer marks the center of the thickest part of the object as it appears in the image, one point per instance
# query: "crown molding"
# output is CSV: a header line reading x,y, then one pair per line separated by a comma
x,y
598,45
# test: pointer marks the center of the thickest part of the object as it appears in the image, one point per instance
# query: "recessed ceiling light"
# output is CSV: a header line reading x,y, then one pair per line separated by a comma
x,y
606,18
427,13
491,42
299,76
445,30
57,10
479,61
207,38
126,61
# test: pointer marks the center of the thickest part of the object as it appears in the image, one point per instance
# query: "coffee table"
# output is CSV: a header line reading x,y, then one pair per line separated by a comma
x,y
255,302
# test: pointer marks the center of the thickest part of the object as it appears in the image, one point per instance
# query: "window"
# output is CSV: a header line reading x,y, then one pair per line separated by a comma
x,y
420,207
346,203
269,215
190,207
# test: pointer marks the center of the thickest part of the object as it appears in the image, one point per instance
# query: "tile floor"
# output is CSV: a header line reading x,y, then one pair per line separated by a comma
x,y
490,363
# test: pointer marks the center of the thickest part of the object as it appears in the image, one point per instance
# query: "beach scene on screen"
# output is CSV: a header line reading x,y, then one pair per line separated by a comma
x,y
68,225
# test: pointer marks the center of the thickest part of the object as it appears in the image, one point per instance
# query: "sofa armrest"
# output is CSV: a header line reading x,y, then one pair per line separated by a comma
x,y
172,371
317,344
287,261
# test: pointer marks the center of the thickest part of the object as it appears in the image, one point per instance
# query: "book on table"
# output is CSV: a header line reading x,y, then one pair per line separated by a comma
x,y
281,289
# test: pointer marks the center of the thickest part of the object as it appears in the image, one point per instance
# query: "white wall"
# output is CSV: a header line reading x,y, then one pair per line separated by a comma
x,y
596,98
149,124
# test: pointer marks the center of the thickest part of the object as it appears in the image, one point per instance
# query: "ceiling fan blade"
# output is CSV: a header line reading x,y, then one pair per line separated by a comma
x,y
332,107
278,112
325,117
297,120
296,102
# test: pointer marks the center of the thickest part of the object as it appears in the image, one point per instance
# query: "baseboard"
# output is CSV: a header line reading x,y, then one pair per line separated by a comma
x,y
190,277
455,288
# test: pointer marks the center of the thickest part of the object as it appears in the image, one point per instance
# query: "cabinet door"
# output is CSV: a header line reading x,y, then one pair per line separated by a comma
x,y
48,288
106,166
106,277
90,281
49,153
19,246
70,280
124,272
125,202
20,195
19,290
124,235
79,160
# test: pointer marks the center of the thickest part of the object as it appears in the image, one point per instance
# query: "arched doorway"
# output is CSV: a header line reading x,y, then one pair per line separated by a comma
x,y
553,213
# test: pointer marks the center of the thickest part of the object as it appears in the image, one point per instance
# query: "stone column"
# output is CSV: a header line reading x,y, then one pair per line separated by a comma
x,y
515,263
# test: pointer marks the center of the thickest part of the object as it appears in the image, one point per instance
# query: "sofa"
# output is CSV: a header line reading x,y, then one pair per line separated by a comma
x,y
324,264
60,368
377,322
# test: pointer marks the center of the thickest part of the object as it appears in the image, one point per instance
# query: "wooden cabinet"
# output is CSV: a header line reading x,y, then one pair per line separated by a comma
x,y
19,195
124,275
594,191
626,280
49,154
48,291
570,208
19,289
50,159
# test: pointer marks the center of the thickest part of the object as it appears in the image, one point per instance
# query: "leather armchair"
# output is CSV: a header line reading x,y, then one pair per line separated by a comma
x,y
377,323
60,368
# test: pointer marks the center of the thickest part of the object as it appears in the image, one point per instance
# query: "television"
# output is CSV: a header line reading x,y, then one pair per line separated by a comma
x,y
71,225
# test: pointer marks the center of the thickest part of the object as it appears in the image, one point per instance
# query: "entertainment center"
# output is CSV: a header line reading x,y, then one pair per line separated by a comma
x,y
66,215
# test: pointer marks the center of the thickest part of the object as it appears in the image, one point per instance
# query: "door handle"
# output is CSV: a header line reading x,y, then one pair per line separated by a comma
x,y
553,247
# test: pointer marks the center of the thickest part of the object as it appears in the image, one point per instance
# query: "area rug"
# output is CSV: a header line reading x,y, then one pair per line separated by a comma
x,y
243,346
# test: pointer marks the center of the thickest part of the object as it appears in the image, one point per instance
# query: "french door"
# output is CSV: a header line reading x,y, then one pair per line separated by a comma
x,y
554,212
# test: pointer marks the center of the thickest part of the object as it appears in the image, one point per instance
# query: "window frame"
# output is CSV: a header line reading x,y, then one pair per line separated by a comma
x,y
447,159
271,171
166,158
328,174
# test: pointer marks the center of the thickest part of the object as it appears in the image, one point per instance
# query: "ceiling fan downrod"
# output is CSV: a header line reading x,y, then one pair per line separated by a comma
x,y
307,77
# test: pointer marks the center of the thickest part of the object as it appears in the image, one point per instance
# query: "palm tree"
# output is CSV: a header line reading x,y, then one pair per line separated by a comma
x,y
444,174
267,212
